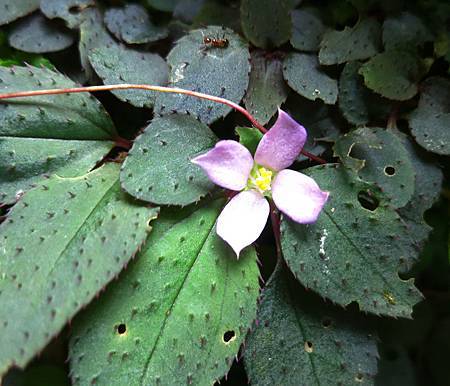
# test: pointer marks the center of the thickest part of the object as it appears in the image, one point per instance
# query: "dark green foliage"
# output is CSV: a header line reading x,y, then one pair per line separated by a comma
x,y
307,29
163,5
303,74
266,23
353,254
360,42
118,64
249,137
159,170
218,71
71,11
267,89
60,245
11,10
177,316
299,340
132,24
37,34
430,122
378,156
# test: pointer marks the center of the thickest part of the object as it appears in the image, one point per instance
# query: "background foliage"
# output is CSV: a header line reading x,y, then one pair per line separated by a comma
x,y
108,254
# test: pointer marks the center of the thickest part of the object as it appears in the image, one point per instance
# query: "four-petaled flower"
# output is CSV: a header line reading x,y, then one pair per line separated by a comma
x,y
230,165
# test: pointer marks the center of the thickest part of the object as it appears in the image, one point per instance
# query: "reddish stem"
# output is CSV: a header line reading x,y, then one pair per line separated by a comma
x,y
176,90
275,218
123,142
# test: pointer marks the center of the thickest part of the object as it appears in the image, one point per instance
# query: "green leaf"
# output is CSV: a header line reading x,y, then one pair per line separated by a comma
x,y
359,42
430,122
159,168
11,10
299,340
60,245
68,10
395,368
308,29
405,30
218,71
249,137
266,23
37,34
215,12
353,95
118,64
266,90
393,74
303,74
355,249
43,135
132,24
178,314
378,156
163,5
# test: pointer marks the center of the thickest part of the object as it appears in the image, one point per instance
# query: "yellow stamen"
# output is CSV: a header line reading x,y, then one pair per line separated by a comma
x,y
263,179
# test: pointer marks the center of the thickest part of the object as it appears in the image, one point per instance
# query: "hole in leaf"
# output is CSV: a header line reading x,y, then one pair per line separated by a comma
x,y
229,336
367,200
326,323
121,329
389,170
359,377
74,10
309,347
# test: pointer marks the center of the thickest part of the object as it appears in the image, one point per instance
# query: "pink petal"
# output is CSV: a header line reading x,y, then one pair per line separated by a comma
x,y
282,144
298,196
228,164
243,219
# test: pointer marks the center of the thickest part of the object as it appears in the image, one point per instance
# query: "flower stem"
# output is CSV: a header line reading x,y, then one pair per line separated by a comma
x,y
125,86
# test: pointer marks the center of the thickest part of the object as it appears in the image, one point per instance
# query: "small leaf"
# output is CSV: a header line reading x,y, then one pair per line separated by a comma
x,y
307,29
299,340
392,74
266,90
61,244
355,249
159,168
71,11
37,34
359,42
118,64
303,74
405,30
132,24
63,134
178,314
11,10
266,23
430,121
249,137
378,156
219,71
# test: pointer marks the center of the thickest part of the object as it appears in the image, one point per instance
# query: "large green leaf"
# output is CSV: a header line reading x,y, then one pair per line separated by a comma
x,y
37,34
132,24
267,89
378,156
66,135
11,10
60,245
303,74
299,340
359,42
159,168
430,122
307,29
218,71
266,23
118,64
68,10
178,314
355,249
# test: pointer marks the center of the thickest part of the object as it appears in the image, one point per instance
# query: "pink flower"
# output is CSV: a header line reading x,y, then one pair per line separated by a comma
x,y
230,165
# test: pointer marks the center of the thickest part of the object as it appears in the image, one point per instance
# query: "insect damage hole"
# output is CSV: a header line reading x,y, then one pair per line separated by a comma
x,y
389,171
228,336
367,200
121,328
309,347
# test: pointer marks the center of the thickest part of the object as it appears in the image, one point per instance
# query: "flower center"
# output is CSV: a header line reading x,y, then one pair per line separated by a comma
x,y
260,179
